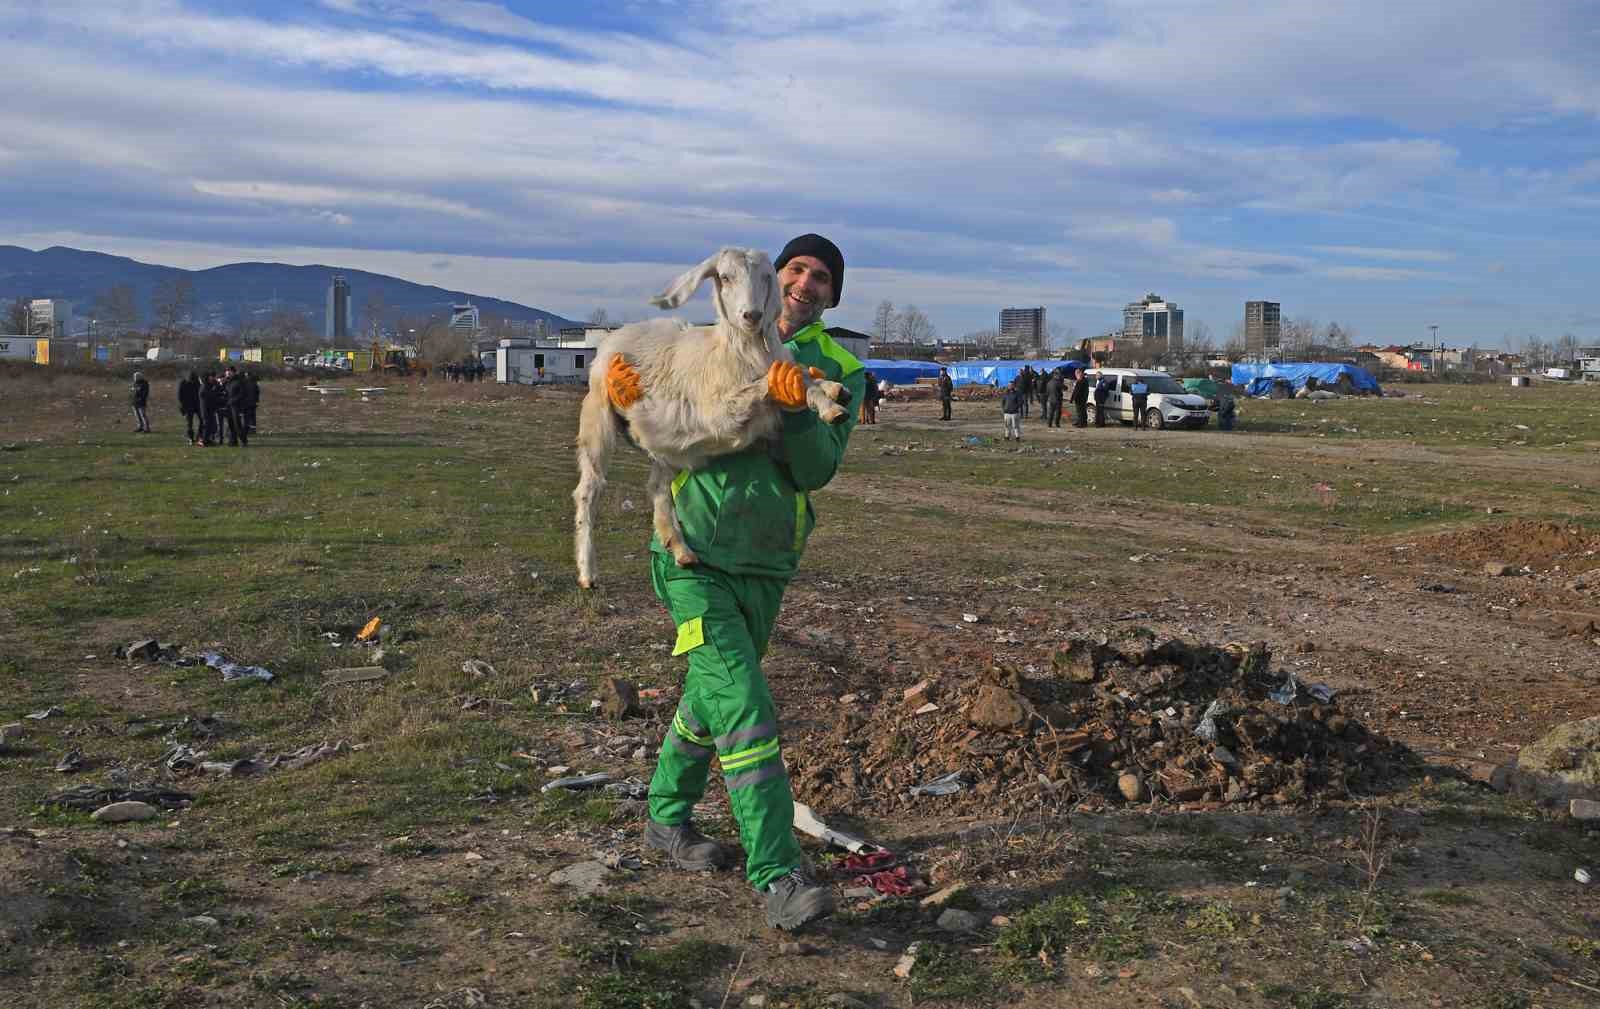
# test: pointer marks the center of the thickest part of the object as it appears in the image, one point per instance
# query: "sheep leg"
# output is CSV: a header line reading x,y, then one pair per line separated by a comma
x,y
825,398
664,515
596,435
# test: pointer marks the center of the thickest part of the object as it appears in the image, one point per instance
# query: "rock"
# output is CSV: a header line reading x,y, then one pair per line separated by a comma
x,y
1131,786
926,709
472,856
942,897
859,893
956,920
1000,921
122,812
618,699
1584,809
585,878
1498,569
755,1002
202,921
908,961
11,732
995,707
795,949
1563,765
1079,662
917,694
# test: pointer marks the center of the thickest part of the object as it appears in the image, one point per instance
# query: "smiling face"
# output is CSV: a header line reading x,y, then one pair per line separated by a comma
x,y
807,286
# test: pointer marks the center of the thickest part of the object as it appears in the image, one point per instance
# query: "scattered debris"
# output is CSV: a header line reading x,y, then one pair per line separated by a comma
x,y
635,790
11,732
807,822
1582,876
370,630
71,761
201,921
86,798
232,671
305,756
578,783
351,674
908,961
50,712
948,784
478,668
619,699
122,812
1562,765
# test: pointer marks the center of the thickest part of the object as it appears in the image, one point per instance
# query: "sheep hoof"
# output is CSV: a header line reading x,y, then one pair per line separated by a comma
x,y
834,415
586,583
685,557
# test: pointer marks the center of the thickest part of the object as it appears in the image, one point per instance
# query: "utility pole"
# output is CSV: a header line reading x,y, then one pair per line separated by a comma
x,y
1438,351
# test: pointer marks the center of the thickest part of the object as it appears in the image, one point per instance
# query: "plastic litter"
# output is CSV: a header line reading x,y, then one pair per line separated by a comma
x,y
579,782
232,671
50,712
370,631
1288,692
70,761
628,790
949,784
1207,729
1582,876
807,822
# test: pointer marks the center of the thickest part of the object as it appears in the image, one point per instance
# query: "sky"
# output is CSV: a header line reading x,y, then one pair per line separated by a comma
x,y
1389,166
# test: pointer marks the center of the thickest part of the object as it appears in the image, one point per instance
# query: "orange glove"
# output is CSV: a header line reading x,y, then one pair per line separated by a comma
x,y
622,383
786,385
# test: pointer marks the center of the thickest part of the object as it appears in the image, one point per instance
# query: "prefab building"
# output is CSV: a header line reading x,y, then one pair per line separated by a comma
x,y
18,348
527,363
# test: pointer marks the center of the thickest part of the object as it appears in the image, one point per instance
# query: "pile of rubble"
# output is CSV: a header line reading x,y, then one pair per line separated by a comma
x,y
1100,726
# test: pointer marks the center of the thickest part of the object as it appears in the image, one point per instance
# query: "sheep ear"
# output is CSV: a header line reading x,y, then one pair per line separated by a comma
x,y
682,289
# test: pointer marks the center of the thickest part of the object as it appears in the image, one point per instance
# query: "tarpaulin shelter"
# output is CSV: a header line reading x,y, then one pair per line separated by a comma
x,y
901,372
1000,373
1258,379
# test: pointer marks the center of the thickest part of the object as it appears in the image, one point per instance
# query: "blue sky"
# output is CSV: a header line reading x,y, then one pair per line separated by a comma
x,y
1386,165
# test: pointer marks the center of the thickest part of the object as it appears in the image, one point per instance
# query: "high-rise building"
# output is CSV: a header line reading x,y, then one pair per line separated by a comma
x,y
50,318
1021,329
1154,323
1263,331
464,319
340,322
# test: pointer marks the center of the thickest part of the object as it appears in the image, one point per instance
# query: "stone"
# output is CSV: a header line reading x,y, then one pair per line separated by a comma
x,y
995,707
859,893
956,920
1131,786
619,699
907,962
1000,921
1584,809
122,812
941,897
585,878
755,1002
202,921
1564,764
917,694
11,732
1498,569
795,949
1079,662
472,856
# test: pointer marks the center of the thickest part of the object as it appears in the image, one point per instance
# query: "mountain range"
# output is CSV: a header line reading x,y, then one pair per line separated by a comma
x,y
226,296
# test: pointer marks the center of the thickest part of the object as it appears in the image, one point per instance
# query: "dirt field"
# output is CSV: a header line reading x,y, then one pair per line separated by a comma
x,y
1352,857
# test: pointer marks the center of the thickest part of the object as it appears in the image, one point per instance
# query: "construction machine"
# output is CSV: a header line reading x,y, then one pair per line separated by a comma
x,y
396,363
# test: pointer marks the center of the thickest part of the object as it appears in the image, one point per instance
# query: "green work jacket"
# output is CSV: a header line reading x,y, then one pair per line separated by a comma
x,y
750,513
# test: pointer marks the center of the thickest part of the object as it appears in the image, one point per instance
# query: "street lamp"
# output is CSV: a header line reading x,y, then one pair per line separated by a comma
x,y
1438,350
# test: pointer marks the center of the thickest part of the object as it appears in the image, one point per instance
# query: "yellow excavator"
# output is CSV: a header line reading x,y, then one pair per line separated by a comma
x,y
395,362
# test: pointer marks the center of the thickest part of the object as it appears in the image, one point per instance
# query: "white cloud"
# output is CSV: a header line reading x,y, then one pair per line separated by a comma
x,y
1397,255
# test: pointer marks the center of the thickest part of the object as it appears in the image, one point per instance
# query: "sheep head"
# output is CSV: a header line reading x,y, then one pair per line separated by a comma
x,y
745,291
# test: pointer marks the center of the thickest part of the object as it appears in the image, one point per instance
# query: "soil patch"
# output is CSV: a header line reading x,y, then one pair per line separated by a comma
x,y
1520,543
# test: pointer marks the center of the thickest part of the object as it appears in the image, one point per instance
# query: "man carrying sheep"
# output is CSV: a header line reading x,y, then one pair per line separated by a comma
x,y
746,516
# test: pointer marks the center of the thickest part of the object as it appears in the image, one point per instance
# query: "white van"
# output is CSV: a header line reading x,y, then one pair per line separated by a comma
x,y
1168,404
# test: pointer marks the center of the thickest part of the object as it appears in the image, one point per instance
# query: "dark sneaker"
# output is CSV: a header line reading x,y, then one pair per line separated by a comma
x,y
796,899
688,848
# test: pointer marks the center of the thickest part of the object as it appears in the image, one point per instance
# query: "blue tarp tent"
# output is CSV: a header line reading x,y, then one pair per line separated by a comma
x,y
999,373
901,372
1257,379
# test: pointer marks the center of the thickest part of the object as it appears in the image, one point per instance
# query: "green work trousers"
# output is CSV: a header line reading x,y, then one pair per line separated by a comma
x,y
723,623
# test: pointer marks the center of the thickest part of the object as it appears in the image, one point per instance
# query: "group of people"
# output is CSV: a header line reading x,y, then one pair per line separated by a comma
x,y
464,371
1069,383
213,404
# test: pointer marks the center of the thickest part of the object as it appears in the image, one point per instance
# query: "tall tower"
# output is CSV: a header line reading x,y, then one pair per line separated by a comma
x,y
339,322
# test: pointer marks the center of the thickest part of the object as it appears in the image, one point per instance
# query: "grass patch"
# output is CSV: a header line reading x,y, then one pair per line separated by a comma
x,y
665,978
945,973
1109,925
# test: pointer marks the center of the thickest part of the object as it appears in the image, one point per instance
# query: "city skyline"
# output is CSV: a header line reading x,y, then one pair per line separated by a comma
x,y
578,159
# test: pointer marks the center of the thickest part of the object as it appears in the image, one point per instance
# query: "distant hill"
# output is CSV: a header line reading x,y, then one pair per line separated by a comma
x,y
225,295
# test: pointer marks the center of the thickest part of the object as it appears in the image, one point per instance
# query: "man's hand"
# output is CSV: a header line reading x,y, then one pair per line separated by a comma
x,y
786,385
622,383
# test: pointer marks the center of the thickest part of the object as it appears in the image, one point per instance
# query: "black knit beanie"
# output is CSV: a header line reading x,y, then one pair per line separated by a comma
x,y
820,248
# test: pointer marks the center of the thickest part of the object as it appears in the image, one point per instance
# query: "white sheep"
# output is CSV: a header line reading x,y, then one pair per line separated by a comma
x,y
704,392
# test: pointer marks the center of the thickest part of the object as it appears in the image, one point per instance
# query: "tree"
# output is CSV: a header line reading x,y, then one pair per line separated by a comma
x,y
373,310
1337,337
18,317
1297,335
286,328
115,311
1234,349
1565,350
599,317
915,327
1198,342
885,321
1058,337
171,309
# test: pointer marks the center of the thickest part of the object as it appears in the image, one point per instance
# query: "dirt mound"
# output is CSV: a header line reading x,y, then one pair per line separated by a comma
x,y
1102,726
1520,542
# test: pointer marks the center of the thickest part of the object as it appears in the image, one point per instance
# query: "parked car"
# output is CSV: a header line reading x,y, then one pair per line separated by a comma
x,y
1168,404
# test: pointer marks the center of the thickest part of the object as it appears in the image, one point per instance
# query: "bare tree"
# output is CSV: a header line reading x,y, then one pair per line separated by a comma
x,y
916,327
885,321
18,317
1058,336
437,343
373,309
1234,349
1197,340
1337,337
1297,335
115,310
599,317
171,310
286,328
1565,350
